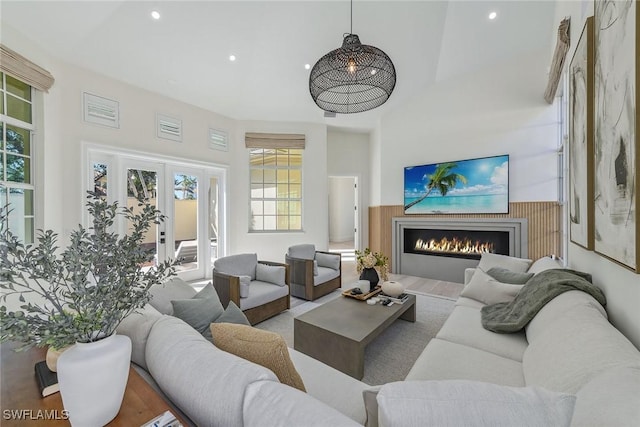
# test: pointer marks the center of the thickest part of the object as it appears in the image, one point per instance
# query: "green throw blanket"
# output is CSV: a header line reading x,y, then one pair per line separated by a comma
x,y
508,317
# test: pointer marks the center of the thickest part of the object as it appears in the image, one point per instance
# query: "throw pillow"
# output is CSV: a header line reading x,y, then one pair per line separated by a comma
x,y
507,276
258,346
162,294
200,311
245,281
233,314
271,273
461,402
489,260
487,290
370,395
328,260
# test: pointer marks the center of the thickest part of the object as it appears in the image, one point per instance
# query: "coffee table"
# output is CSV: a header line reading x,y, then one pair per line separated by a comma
x,y
338,331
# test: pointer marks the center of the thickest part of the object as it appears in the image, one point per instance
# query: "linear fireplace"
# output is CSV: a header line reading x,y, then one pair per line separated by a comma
x,y
443,248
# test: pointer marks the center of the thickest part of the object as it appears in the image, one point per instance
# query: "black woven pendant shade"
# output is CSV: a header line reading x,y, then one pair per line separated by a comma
x,y
353,78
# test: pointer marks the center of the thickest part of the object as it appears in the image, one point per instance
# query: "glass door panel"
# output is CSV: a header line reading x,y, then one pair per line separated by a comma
x,y
185,221
142,183
213,217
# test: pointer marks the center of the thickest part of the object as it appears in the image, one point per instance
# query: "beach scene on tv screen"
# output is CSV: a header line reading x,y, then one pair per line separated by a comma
x,y
464,186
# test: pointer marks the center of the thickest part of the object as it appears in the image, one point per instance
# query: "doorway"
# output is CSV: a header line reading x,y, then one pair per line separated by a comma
x,y
344,215
190,195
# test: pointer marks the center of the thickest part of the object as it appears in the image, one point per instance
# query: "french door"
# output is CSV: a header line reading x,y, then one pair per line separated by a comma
x,y
191,197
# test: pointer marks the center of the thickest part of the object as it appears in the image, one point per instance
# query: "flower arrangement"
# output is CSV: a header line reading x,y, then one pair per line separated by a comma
x,y
369,259
79,294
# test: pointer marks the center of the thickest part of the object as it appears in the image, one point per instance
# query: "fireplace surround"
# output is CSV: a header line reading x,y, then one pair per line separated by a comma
x,y
442,248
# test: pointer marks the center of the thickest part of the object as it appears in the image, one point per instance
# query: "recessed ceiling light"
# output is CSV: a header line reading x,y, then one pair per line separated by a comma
x,y
493,15
307,66
232,58
155,14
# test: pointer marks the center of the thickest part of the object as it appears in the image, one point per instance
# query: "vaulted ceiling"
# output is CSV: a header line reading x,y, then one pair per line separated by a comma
x,y
185,54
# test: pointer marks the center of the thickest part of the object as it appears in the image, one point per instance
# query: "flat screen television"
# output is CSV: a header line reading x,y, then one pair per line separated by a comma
x,y
464,186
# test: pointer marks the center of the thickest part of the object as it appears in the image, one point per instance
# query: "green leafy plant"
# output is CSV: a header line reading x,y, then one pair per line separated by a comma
x,y
370,259
82,293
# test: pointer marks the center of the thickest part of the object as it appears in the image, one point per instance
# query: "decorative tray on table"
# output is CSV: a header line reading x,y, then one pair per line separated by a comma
x,y
362,296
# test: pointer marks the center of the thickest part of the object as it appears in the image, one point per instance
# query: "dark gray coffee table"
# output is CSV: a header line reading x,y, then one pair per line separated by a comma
x,y
338,331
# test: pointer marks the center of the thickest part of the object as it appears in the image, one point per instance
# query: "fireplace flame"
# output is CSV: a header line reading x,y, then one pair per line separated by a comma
x,y
453,246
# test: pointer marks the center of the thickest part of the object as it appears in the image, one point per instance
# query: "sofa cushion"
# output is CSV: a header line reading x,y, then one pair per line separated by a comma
x,y
544,263
258,346
463,326
233,314
444,360
137,327
203,381
324,275
505,275
163,294
611,399
546,317
262,293
487,290
344,392
200,311
245,283
456,403
489,260
237,265
578,346
271,274
275,405
328,260
304,251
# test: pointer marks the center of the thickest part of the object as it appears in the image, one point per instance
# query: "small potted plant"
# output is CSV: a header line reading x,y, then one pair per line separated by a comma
x,y
77,297
372,266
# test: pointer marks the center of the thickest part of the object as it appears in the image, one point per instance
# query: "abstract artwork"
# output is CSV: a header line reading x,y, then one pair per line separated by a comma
x,y
581,140
616,116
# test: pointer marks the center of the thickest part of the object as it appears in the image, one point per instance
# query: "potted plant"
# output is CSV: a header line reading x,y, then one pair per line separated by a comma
x,y
371,266
78,296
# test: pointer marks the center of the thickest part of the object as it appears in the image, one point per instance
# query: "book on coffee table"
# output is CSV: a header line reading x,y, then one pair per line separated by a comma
x,y
47,379
400,299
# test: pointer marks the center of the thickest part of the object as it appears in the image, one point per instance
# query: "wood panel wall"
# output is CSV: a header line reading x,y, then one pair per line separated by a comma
x,y
544,225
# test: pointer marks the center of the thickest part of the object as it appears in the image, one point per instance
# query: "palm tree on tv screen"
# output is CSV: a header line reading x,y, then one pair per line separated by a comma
x,y
443,179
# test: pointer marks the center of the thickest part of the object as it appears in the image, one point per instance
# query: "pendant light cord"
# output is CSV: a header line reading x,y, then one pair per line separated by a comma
x,y
351,17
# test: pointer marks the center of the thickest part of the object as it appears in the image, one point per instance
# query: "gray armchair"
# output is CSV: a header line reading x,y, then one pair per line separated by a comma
x,y
259,288
313,273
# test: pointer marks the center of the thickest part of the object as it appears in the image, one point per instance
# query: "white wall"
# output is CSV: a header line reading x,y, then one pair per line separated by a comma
x,y
348,155
272,246
341,208
498,110
620,285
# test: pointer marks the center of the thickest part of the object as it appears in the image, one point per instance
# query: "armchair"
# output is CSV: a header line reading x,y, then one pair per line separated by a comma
x,y
313,273
259,288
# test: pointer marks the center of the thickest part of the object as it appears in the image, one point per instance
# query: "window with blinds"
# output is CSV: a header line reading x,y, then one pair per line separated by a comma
x,y
16,156
275,164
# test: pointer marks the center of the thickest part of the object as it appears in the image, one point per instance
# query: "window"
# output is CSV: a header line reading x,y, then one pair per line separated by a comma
x,y
276,189
16,155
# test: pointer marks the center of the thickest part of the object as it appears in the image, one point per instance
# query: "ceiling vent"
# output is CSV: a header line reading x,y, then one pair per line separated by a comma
x,y
100,111
218,140
168,128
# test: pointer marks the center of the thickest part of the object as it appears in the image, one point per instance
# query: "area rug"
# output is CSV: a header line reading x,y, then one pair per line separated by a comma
x,y
391,355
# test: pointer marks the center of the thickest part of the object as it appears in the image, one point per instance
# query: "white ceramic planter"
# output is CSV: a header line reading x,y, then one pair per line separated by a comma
x,y
92,378
393,289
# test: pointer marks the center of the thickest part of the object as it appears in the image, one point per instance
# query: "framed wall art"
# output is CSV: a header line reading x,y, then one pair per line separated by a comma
x,y
616,140
581,139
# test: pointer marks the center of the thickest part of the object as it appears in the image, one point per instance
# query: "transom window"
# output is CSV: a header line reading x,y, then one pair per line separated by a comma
x,y
16,154
276,189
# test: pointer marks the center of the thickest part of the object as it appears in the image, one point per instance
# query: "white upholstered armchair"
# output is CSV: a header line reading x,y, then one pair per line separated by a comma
x,y
313,273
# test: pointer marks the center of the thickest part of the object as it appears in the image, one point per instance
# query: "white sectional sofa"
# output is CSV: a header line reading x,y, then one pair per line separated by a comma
x,y
569,347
